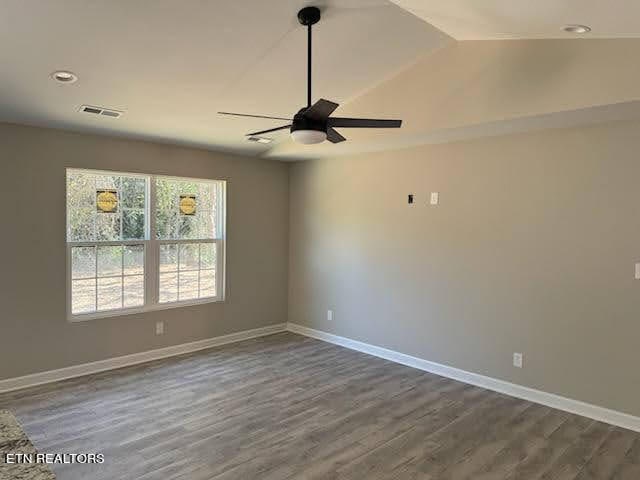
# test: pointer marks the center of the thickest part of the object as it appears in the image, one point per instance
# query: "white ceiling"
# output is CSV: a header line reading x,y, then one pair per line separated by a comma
x,y
520,19
171,65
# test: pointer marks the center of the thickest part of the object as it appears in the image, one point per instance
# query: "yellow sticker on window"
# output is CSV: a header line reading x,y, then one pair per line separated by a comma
x,y
187,204
107,201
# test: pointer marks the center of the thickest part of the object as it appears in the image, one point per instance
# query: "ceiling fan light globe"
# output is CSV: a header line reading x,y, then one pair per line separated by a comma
x,y
308,137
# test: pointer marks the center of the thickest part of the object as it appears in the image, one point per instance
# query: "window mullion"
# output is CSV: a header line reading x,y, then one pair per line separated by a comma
x,y
199,268
122,274
152,251
96,279
178,249
69,279
94,202
220,277
120,212
221,259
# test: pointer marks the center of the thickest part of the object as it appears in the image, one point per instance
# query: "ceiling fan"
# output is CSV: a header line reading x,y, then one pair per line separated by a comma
x,y
313,123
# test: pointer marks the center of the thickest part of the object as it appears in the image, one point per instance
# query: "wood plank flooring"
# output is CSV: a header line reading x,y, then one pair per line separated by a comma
x,y
290,407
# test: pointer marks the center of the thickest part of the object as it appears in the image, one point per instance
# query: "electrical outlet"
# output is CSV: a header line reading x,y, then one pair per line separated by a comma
x,y
330,315
517,360
159,328
434,199
638,271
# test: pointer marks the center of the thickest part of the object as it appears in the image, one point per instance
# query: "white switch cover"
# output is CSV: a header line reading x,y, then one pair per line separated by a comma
x,y
517,360
638,271
434,198
159,328
330,315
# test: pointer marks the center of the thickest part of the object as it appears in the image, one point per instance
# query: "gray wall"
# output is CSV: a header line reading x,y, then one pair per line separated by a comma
x,y
34,333
531,250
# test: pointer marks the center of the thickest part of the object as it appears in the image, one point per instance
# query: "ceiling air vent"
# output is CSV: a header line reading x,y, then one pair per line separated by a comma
x,y
107,112
253,138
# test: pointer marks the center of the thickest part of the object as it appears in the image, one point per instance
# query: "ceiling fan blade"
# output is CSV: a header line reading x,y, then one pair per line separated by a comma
x,y
320,110
268,131
363,123
334,137
252,116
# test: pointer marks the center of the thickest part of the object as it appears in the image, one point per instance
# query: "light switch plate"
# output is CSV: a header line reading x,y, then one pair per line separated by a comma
x,y
638,271
434,198
330,315
159,328
517,360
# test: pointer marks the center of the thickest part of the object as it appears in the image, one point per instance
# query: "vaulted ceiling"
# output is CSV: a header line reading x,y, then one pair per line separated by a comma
x,y
527,19
170,66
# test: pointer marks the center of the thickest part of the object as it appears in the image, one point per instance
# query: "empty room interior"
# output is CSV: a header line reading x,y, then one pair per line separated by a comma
x,y
320,240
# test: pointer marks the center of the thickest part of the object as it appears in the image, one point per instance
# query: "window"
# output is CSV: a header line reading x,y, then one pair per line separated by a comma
x,y
187,231
141,242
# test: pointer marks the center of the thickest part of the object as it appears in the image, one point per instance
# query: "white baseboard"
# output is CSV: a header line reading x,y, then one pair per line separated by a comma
x,y
601,414
134,359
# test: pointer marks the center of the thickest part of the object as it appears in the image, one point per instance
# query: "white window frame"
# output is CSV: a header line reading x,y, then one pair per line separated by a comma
x,y
152,250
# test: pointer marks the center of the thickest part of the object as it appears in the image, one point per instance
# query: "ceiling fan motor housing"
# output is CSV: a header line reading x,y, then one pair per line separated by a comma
x,y
301,122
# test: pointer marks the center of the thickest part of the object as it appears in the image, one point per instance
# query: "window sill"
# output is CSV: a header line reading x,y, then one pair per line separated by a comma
x,y
85,317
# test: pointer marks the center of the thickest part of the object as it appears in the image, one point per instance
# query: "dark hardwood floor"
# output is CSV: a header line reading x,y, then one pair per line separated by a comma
x,y
289,407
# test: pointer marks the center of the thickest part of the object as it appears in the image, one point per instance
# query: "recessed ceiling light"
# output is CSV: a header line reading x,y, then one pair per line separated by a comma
x,y
64,76
576,29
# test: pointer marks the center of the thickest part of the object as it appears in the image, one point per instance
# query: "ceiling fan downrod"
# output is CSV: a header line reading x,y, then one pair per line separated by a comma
x,y
309,16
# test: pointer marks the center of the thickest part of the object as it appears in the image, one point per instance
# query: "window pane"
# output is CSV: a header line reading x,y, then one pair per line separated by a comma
x,y
81,222
167,224
133,224
208,193
133,259
83,262
207,255
133,192
185,208
81,188
133,291
83,296
196,271
104,181
109,293
207,283
166,209
119,216
107,227
168,258
168,287
189,256
187,228
188,286
204,225
109,261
